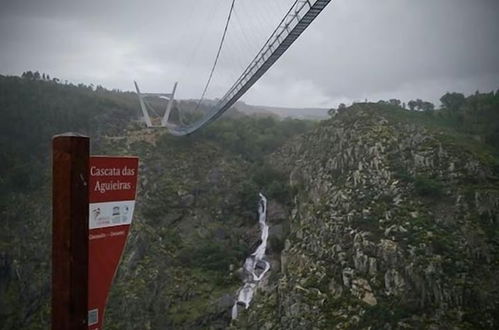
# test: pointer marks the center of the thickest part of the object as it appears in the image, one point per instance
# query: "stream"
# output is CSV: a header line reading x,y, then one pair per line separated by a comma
x,y
255,266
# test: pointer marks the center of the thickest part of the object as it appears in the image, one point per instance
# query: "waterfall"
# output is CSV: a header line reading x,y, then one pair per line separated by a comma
x,y
255,266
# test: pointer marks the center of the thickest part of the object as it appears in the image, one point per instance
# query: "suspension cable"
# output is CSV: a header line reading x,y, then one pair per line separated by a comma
x,y
218,55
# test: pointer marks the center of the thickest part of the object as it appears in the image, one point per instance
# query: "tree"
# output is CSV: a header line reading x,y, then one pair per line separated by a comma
x,y
342,107
395,102
427,106
412,105
453,101
419,104
27,75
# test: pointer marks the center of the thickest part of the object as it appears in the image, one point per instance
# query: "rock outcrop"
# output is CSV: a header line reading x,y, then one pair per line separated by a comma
x,y
394,226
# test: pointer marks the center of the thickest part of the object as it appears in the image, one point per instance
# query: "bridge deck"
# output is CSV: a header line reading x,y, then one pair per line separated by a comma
x,y
297,19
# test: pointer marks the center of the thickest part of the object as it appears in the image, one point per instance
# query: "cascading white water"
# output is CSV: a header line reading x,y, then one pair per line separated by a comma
x,y
255,266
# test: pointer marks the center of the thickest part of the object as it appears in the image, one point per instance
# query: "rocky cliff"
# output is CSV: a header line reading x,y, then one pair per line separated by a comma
x,y
395,226
378,218
195,220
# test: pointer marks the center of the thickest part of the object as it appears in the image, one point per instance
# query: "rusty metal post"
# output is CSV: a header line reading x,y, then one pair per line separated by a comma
x,y
70,174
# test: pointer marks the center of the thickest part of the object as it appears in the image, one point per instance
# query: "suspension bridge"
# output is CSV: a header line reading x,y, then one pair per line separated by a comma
x,y
296,20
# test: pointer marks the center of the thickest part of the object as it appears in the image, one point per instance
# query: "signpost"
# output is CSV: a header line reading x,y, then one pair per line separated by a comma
x,y
70,231
112,188
93,204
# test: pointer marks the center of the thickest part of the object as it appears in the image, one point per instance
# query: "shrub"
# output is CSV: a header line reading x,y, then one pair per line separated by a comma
x,y
427,187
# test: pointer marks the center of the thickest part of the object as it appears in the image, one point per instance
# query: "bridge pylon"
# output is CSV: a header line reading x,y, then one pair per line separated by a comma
x,y
147,108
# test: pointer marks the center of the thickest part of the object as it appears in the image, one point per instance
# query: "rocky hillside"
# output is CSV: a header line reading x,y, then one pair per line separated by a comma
x,y
395,226
379,218
195,220
195,223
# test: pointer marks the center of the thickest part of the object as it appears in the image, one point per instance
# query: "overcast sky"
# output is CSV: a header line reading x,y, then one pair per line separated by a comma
x,y
356,49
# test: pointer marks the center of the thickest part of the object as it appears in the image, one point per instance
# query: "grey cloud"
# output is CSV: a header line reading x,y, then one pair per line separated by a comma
x,y
356,49
399,43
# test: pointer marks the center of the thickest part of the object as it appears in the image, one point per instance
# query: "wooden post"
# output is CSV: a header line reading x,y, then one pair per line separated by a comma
x,y
70,231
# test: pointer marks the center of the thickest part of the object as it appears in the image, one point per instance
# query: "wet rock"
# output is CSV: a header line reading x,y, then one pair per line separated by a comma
x,y
187,200
362,290
277,232
361,262
347,276
225,302
373,266
388,251
394,283
215,176
335,288
276,212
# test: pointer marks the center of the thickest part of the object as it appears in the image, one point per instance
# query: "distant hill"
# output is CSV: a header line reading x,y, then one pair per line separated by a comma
x,y
277,112
282,112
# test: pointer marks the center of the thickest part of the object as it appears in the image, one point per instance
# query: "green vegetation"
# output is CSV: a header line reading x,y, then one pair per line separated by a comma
x,y
34,110
196,212
427,186
388,312
195,220
471,122
397,225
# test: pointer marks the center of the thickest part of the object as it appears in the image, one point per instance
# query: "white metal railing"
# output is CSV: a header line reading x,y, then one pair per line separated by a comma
x,y
297,19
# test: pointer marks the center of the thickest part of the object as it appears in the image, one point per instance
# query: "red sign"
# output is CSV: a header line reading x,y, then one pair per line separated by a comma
x,y
113,182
